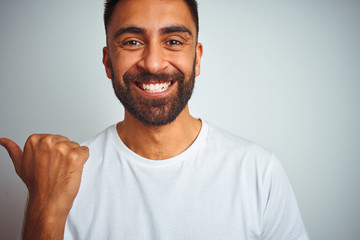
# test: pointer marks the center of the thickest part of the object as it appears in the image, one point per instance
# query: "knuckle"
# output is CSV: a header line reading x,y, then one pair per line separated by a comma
x,y
61,148
85,149
86,153
73,157
33,138
47,139
74,144
61,138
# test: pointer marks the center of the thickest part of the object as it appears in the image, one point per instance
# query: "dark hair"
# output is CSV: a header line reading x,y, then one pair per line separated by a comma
x,y
110,6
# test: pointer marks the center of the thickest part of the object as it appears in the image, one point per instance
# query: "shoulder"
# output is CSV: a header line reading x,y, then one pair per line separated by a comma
x,y
99,144
101,138
230,143
240,153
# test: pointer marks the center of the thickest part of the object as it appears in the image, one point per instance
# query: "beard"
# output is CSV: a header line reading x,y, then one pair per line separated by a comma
x,y
154,111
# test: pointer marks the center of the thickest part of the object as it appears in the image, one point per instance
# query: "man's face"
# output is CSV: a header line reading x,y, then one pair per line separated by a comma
x,y
152,58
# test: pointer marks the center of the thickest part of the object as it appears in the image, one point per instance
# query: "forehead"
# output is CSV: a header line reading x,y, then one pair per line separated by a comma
x,y
151,15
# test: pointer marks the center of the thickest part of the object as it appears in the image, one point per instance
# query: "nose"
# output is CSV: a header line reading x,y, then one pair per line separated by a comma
x,y
153,60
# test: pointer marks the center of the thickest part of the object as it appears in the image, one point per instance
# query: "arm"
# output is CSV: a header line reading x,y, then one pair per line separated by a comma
x,y
51,168
42,224
282,218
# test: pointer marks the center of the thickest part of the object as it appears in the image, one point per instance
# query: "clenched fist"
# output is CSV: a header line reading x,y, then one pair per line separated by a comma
x,y
51,167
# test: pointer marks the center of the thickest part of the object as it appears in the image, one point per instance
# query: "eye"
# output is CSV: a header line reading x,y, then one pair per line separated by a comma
x,y
131,43
174,43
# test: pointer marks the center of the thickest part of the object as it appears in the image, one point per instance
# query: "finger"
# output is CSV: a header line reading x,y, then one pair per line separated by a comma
x,y
85,152
14,151
60,138
69,144
48,138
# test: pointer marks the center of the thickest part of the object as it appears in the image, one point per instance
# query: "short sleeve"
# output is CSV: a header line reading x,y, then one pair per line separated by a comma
x,y
281,216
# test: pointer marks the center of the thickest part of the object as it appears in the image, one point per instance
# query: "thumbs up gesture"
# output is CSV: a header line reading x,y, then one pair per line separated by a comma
x,y
51,168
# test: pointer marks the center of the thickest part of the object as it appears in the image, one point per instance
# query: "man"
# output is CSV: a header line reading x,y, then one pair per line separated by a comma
x,y
160,173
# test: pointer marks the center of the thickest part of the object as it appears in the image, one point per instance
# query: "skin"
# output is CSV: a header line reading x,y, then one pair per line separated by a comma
x,y
154,52
51,168
51,165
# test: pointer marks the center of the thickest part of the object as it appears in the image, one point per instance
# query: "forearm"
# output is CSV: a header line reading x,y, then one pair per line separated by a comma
x,y
42,223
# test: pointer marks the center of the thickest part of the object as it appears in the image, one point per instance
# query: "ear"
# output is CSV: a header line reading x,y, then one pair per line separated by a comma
x,y
199,52
106,62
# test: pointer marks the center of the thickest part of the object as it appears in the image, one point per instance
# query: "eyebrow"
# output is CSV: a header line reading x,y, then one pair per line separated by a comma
x,y
163,31
175,29
124,30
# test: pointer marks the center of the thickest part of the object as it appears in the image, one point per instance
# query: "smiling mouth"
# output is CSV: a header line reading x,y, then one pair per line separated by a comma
x,y
154,87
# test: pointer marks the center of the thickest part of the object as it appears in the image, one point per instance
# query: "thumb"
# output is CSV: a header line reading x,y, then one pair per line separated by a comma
x,y
14,151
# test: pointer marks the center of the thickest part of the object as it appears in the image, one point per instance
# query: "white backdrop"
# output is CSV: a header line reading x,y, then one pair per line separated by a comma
x,y
282,73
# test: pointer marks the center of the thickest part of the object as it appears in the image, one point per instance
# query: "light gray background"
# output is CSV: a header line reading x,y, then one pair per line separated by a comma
x,y
282,73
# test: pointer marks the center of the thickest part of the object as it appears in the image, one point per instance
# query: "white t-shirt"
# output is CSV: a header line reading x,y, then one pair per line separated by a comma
x,y
222,187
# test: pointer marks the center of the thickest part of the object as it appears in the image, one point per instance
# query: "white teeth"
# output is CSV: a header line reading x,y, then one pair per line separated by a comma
x,y
155,88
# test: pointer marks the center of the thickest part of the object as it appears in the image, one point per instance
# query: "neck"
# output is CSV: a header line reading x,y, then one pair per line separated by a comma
x,y
159,142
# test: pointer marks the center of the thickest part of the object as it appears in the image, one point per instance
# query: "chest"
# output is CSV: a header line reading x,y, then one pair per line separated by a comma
x,y
130,202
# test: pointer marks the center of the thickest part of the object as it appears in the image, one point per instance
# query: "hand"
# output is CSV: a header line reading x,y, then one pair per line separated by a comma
x,y
51,168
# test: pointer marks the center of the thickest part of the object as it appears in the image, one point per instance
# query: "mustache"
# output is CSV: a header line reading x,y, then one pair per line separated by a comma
x,y
145,77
